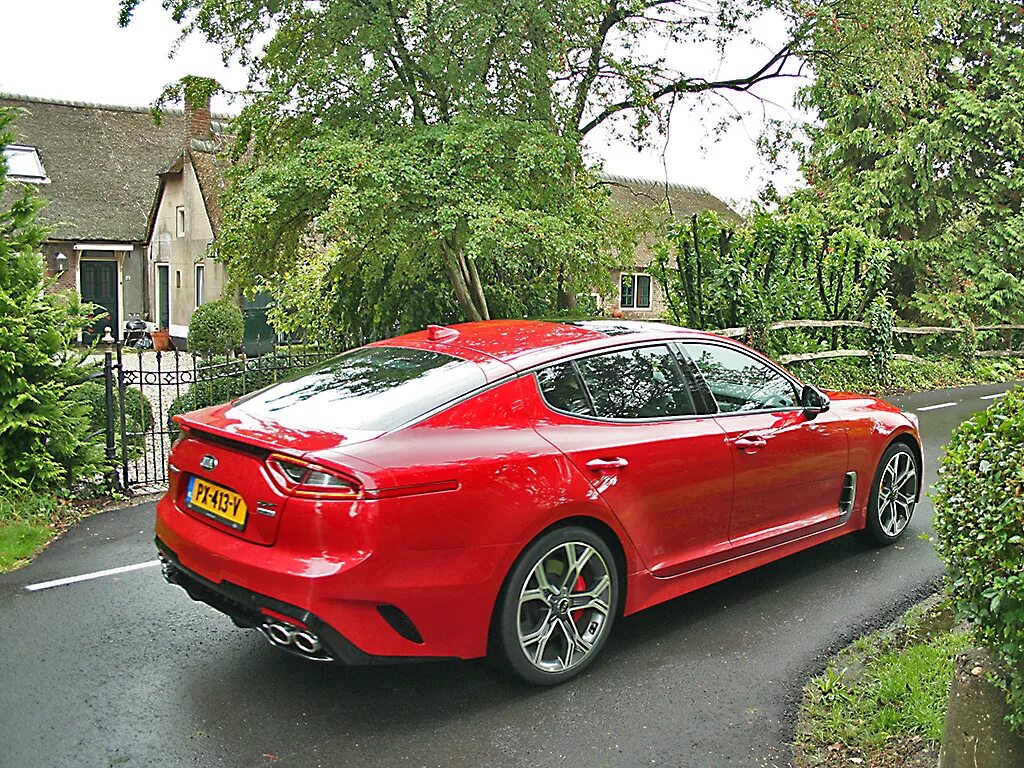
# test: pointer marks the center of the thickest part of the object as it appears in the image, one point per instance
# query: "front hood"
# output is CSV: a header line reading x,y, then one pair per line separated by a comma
x,y
856,400
233,422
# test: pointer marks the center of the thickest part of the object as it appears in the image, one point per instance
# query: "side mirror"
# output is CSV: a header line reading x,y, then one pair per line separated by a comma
x,y
813,401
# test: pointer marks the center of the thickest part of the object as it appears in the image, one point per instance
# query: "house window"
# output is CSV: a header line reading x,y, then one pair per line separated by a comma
x,y
24,164
635,291
179,221
177,278
200,283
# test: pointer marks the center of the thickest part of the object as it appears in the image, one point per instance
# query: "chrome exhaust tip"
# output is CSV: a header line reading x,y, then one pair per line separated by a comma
x,y
279,634
306,642
168,571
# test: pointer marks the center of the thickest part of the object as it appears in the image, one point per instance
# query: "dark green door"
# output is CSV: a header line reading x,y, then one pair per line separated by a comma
x,y
163,296
99,287
259,336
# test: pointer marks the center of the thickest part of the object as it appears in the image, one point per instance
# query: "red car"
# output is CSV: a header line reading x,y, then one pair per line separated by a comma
x,y
511,488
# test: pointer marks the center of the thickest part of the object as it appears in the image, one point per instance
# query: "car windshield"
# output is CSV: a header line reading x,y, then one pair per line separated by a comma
x,y
371,388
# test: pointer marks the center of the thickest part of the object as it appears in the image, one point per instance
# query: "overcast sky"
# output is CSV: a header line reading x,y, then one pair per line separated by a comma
x,y
74,50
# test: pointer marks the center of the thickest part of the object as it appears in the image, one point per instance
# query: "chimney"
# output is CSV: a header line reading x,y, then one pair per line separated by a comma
x,y
197,124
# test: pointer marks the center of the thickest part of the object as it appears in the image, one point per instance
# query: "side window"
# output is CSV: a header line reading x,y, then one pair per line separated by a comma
x,y
642,383
563,389
738,382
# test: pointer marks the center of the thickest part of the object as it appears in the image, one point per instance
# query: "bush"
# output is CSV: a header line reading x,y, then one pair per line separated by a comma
x,y
94,395
201,395
138,417
43,431
215,327
979,514
715,273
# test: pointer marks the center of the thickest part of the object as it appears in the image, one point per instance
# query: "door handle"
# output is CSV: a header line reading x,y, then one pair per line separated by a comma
x,y
607,466
750,442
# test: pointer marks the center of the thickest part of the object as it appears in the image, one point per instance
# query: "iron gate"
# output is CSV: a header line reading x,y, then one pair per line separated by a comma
x,y
145,388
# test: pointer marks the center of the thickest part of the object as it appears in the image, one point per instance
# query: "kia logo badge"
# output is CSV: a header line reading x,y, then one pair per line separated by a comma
x,y
208,462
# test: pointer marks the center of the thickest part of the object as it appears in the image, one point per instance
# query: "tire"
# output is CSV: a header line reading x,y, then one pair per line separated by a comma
x,y
891,505
546,630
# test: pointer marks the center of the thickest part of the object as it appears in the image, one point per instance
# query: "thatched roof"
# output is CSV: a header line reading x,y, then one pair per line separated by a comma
x,y
102,162
683,200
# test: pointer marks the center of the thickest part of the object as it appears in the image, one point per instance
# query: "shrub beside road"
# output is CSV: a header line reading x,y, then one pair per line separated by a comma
x,y
979,514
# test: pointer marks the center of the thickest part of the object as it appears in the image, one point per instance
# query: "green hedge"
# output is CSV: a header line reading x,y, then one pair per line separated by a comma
x,y
979,521
215,327
94,394
138,415
219,379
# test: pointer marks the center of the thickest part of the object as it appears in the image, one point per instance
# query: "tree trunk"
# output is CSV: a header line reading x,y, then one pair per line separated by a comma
x,y
465,281
565,299
477,288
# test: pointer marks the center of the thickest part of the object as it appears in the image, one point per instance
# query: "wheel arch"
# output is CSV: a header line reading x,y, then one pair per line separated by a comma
x,y
908,439
591,523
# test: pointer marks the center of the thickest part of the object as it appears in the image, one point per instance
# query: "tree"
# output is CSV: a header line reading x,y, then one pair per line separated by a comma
x,y
43,431
771,267
940,166
498,203
375,89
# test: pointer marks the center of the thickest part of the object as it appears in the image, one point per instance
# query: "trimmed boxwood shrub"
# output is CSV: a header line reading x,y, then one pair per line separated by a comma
x,y
219,379
138,416
979,520
94,394
215,327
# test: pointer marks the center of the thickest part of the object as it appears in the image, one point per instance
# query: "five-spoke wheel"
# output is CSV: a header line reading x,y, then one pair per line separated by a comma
x,y
558,606
893,495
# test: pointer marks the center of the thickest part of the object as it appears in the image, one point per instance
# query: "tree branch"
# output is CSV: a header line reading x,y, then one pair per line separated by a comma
x,y
772,69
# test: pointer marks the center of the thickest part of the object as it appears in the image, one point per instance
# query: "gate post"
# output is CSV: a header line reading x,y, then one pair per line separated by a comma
x,y
123,410
108,382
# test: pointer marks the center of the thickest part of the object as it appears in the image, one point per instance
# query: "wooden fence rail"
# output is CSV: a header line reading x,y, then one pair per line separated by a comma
x,y
923,330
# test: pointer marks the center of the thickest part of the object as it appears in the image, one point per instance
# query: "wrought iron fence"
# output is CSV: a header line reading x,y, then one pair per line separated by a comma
x,y
145,389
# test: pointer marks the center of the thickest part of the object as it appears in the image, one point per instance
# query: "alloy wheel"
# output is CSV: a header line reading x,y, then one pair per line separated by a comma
x,y
564,607
897,493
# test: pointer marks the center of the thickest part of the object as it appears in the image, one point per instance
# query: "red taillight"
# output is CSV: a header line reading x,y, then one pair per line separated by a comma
x,y
303,478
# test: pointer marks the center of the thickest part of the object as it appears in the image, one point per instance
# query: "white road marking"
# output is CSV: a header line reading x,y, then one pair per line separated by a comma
x,y
936,407
93,575
993,397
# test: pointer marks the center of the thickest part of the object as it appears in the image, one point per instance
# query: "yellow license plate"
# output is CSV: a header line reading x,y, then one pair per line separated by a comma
x,y
216,502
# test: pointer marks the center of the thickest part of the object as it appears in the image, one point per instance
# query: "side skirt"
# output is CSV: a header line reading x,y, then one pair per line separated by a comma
x,y
646,590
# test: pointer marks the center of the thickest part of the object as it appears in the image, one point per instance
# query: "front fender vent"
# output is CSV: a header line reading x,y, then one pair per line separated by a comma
x,y
848,497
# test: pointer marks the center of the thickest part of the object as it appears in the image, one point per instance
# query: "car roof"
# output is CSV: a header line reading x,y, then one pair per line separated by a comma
x,y
500,345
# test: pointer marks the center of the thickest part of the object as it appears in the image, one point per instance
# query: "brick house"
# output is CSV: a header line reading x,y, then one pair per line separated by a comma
x,y
103,168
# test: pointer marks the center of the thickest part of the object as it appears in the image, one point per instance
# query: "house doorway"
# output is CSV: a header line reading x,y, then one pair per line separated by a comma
x,y
98,285
163,296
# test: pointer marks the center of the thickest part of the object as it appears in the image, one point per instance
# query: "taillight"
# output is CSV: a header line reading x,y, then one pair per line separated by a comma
x,y
303,478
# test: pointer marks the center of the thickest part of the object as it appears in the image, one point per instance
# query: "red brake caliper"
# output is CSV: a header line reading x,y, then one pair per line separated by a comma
x,y
579,586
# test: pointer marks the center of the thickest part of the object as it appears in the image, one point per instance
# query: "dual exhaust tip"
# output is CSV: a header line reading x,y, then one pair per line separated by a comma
x,y
287,636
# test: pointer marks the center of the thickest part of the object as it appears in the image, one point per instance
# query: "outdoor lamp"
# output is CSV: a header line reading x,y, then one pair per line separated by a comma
x,y
62,262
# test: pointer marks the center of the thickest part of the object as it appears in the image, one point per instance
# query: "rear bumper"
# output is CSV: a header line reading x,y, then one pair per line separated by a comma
x,y
244,607
348,596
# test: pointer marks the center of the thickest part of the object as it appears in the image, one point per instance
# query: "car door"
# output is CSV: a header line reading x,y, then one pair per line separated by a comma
x,y
628,421
789,468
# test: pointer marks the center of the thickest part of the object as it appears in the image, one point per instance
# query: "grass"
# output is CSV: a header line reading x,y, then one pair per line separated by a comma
x,y
27,524
21,541
882,701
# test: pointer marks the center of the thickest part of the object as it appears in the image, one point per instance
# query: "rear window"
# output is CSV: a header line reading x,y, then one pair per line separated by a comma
x,y
641,383
372,388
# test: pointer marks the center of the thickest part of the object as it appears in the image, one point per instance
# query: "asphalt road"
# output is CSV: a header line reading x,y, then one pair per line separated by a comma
x,y
125,670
